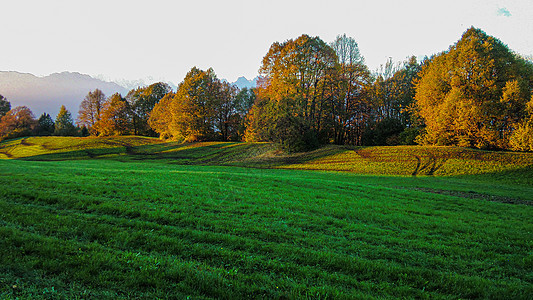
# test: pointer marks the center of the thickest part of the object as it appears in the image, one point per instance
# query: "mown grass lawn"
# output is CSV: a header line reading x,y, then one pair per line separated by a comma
x,y
101,228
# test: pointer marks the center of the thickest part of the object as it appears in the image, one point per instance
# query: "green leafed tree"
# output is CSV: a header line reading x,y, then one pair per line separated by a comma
x,y
5,106
141,102
228,120
64,124
474,94
388,106
46,125
244,100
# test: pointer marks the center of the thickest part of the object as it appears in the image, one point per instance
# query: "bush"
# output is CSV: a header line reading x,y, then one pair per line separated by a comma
x,y
384,133
409,135
294,135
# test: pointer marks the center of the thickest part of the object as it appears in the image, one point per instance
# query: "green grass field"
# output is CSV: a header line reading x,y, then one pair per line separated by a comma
x,y
136,218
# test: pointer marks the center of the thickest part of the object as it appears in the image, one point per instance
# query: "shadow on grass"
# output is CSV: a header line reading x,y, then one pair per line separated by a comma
x,y
383,160
514,186
257,155
171,152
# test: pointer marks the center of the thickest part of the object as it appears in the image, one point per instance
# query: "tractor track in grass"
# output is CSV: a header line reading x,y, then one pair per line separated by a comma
x,y
476,196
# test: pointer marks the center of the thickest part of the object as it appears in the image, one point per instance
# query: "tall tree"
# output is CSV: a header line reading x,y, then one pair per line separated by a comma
x,y
293,92
64,125
90,109
403,90
114,118
141,103
227,119
17,122
390,98
203,108
193,107
522,137
349,105
45,125
161,117
5,106
383,94
464,95
244,100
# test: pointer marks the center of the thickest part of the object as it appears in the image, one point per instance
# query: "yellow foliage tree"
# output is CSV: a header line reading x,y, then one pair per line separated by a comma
x,y
474,94
522,138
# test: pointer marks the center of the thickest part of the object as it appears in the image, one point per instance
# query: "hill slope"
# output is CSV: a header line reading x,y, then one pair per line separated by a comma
x,y
400,160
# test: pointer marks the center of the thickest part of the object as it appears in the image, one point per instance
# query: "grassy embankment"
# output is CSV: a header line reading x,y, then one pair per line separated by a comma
x,y
133,217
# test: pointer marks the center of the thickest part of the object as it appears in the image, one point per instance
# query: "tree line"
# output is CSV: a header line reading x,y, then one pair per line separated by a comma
x,y
478,93
98,115
20,122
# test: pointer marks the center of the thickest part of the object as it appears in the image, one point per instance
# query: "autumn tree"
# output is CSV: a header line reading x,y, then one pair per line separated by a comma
x,y
114,117
244,100
141,102
474,94
90,109
349,106
403,90
45,125
203,108
5,106
522,137
17,122
161,117
227,117
390,98
64,124
260,116
293,93
193,107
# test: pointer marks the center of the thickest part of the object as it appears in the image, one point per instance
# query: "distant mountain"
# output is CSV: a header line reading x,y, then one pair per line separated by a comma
x,y
242,82
48,93
133,84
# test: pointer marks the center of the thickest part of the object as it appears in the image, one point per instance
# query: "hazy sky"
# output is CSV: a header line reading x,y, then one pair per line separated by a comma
x,y
163,39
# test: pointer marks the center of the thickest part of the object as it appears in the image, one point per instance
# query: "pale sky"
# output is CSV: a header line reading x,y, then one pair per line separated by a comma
x,y
163,39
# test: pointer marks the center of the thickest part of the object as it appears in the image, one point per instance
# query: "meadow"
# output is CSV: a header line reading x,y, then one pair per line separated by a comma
x,y
137,218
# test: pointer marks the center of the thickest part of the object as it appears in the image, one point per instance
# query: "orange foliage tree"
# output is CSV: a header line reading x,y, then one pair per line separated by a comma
x,y
90,109
17,122
114,118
